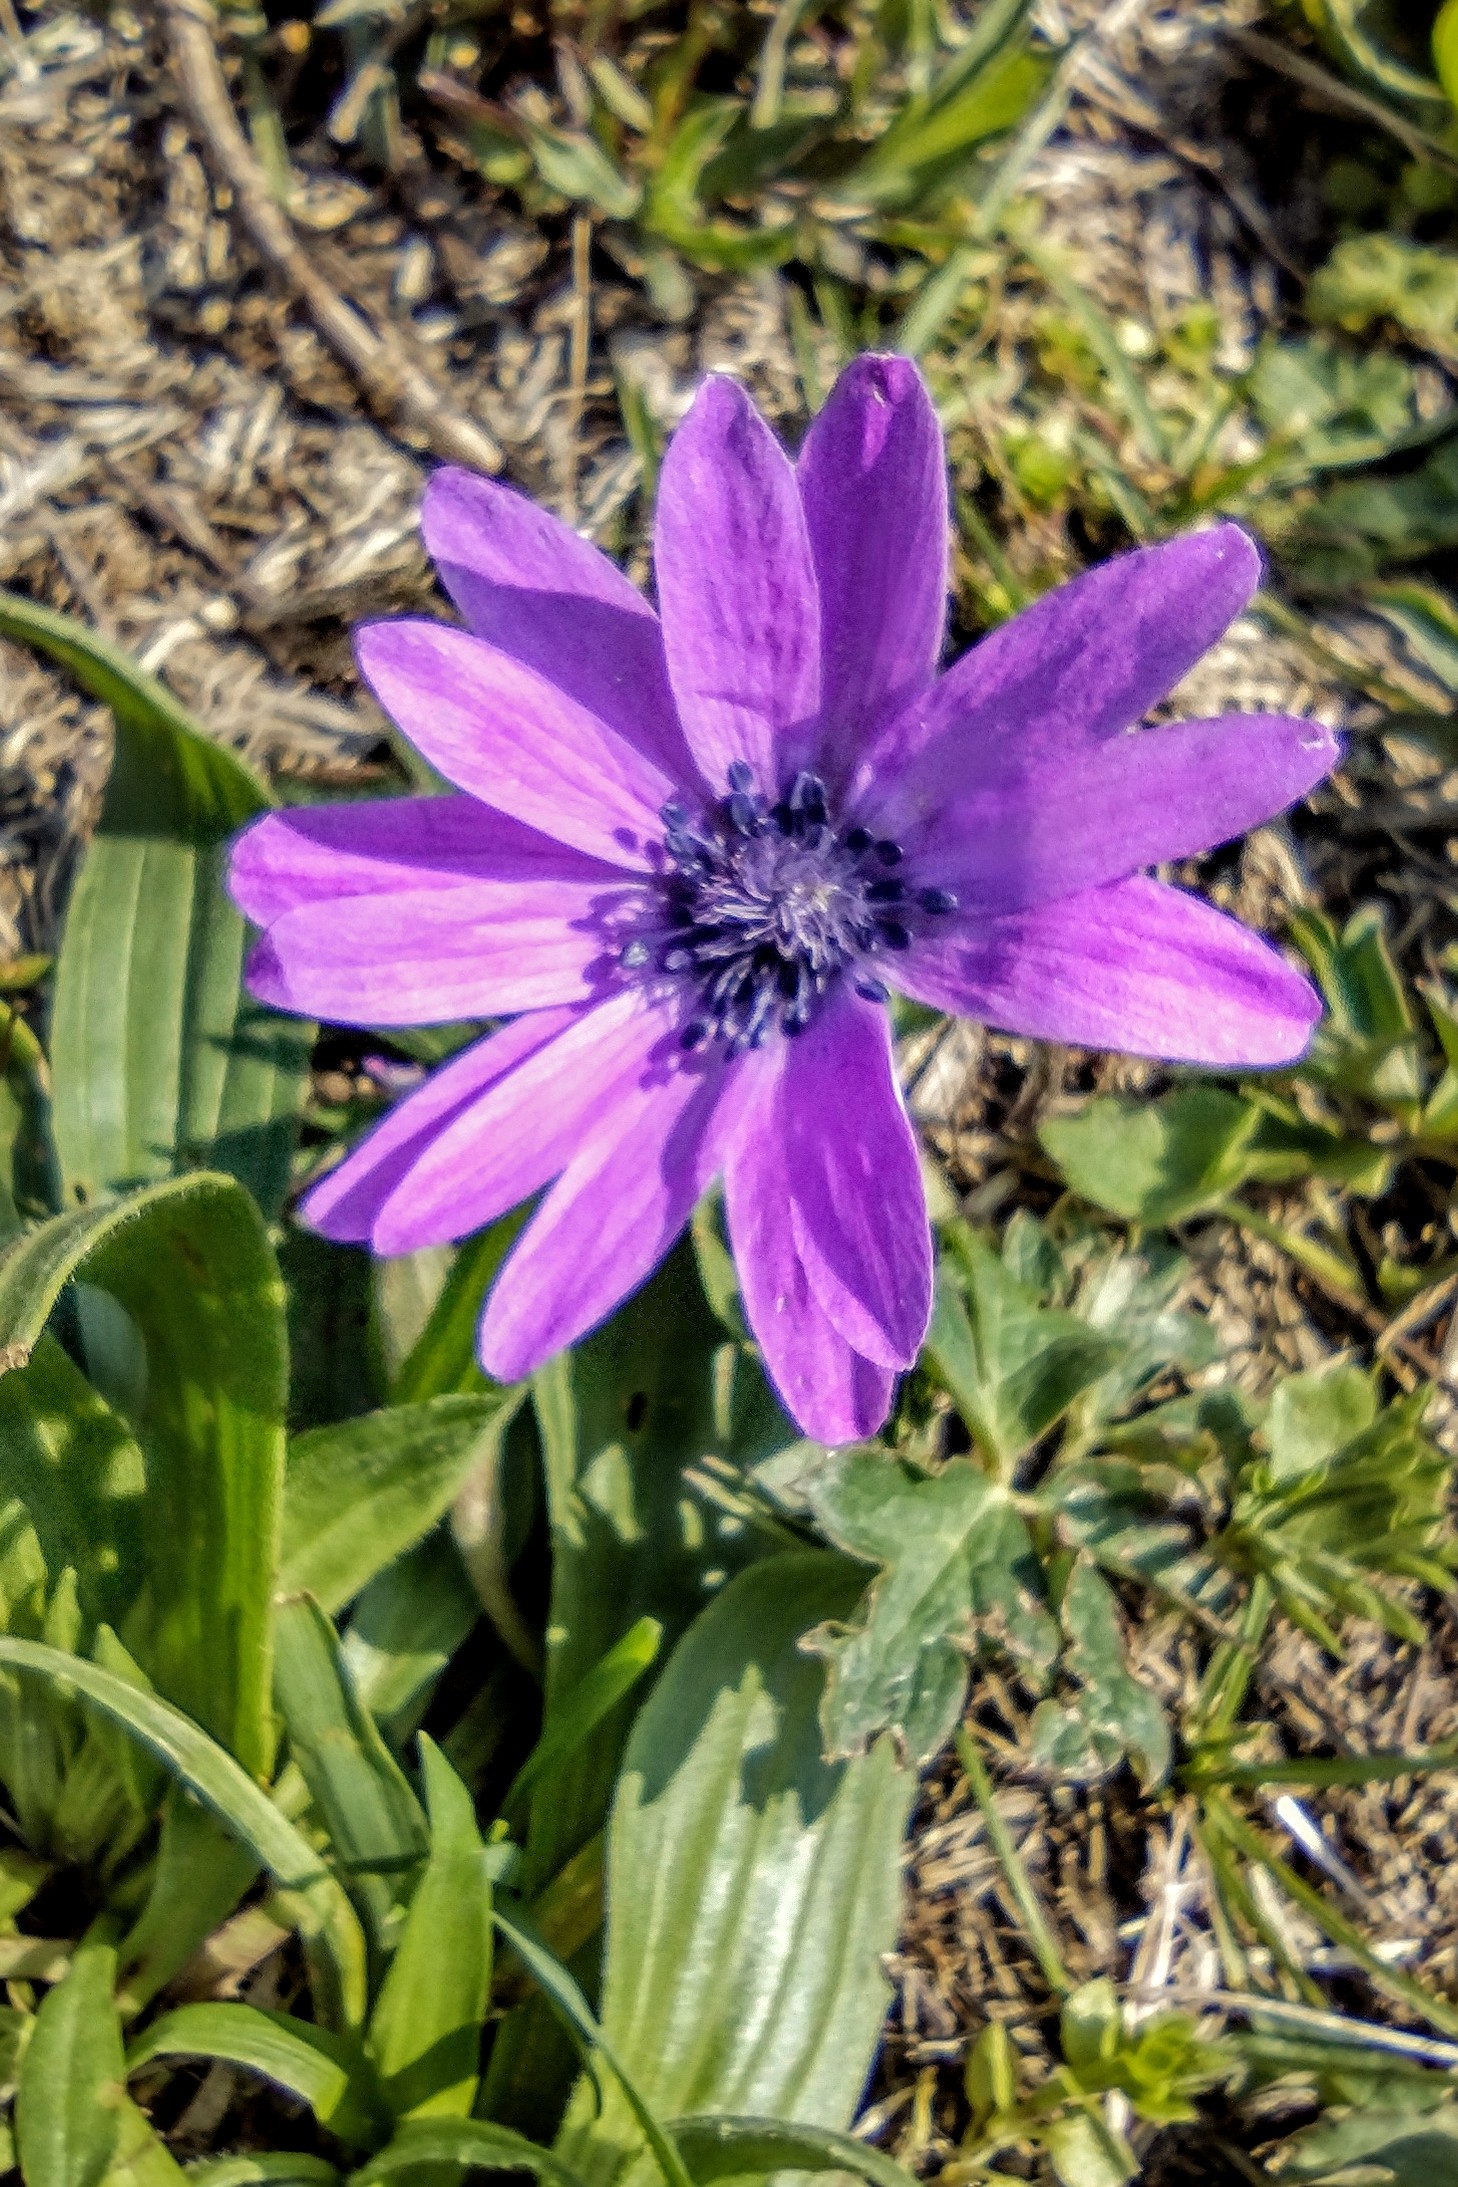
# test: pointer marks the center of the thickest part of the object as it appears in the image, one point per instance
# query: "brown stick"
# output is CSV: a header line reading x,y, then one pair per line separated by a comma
x,y
397,389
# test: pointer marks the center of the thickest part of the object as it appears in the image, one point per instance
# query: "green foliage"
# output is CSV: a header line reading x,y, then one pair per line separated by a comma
x,y
161,1061
1159,2065
739,1865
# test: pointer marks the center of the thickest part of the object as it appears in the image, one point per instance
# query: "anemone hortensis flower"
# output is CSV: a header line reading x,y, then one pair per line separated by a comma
x,y
690,853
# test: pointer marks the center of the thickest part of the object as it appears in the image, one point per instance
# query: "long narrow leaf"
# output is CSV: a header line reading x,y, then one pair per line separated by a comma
x,y
323,2071
233,1796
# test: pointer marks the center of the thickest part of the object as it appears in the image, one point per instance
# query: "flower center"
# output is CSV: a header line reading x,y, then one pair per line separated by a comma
x,y
764,906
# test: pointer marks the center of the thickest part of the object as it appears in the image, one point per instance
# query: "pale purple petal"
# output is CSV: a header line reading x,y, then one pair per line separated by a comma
x,y
512,739
873,477
319,853
556,603
1138,967
1082,663
827,1387
736,588
430,956
1032,830
530,1124
857,1206
610,1218
346,1204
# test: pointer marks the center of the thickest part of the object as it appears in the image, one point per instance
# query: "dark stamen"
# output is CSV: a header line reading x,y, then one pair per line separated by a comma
x,y
763,907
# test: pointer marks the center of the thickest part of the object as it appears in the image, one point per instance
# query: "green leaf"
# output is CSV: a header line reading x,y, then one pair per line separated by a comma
x,y
719,2148
743,1868
210,1772
358,1495
985,90
1085,2151
624,1419
321,2070
564,1995
471,2145
1154,1161
160,1061
1012,1367
71,1487
1445,49
1312,1415
404,1629
189,1262
593,1697
575,165
957,1565
442,1361
72,2077
30,1183
376,1830
199,1875
263,2168
426,2031
1367,1043
1112,1715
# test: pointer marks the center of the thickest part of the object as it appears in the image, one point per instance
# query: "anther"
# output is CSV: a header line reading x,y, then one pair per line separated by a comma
x,y
873,990
936,899
742,812
741,775
673,815
858,840
695,1033
885,892
890,854
636,953
894,934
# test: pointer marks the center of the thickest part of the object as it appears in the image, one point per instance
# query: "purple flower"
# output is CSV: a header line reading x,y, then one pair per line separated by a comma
x,y
690,855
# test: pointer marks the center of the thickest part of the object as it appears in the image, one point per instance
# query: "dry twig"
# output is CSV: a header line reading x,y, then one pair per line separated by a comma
x,y
396,387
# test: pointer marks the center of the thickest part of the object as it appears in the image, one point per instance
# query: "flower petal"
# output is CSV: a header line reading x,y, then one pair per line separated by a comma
x,y
1030,831
429,956
556,603
830,1391
608,1221
346,1204
507,735
1137,967
528,1125
1082,663
736,587
873,478
319,853
857,1206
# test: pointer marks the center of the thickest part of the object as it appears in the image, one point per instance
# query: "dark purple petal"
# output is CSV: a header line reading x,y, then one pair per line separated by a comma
x,y
609,1219
857,1206
554,602
736,588
1082,663
1031,831
1137,967
530,1124
512,739
320,853
830,1391
873,478
346,1204
430,956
